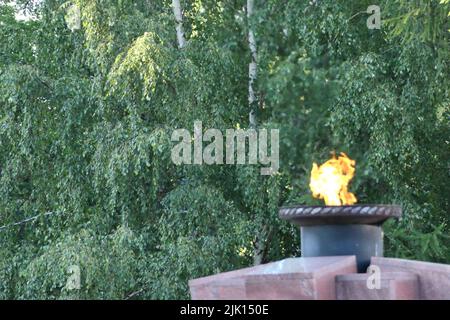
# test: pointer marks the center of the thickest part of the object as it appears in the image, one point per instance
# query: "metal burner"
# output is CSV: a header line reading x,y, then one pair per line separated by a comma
x,y
341,230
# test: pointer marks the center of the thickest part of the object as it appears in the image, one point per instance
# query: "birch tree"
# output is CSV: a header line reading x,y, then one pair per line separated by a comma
x,y
259,245
252,67
86,117
176,6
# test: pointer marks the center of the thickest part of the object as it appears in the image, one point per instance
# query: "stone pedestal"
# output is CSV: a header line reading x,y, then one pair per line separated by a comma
x,y
327,278
294,278
392,286
434,278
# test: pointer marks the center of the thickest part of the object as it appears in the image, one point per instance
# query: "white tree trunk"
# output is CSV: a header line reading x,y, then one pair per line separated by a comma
x,y
259,245
179,20
252,68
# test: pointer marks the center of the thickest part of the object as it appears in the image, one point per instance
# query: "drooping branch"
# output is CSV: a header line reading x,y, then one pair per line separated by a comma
x,y
33,218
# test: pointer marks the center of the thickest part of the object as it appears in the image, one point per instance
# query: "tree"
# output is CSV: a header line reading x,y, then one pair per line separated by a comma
x,y
87,114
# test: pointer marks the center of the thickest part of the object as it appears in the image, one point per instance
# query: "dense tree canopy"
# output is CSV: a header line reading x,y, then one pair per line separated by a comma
x,y
86,116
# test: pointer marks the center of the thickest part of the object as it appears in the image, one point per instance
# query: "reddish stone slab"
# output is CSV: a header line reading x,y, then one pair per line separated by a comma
x,y
434,278
393,286
293,278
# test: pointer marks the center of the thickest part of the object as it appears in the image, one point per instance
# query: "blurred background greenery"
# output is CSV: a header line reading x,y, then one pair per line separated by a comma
x,y
86,117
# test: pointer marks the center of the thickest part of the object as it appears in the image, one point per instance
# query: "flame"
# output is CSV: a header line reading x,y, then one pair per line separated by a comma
x,y
330,180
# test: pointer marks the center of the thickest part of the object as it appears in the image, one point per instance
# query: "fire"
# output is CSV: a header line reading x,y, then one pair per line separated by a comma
x,y
330,180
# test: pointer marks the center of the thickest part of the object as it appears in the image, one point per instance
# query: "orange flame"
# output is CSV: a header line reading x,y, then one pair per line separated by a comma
x,y
330,180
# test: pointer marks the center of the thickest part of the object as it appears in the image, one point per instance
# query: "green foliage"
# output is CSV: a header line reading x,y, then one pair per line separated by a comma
x,y
416,244
200,233
86,118
100,259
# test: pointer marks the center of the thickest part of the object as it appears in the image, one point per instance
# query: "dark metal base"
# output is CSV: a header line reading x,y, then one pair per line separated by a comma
x,y
361,240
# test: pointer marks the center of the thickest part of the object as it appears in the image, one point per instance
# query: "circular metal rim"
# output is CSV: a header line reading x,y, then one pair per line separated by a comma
x,y
349,214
